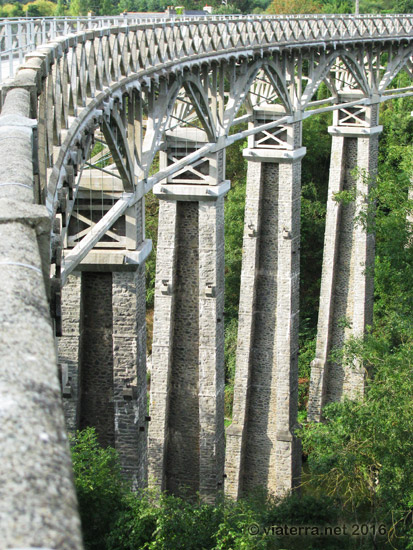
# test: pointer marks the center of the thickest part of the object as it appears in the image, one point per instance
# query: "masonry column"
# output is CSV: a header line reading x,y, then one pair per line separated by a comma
x,y
103,344
346,298
261,447
186,433
69,347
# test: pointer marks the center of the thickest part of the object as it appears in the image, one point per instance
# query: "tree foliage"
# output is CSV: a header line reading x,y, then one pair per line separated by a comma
x,y
114,518
294,6
105,7
100,488
40,8
363,452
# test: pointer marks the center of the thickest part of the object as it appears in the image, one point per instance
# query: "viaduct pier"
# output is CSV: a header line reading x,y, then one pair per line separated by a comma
x,y
104,110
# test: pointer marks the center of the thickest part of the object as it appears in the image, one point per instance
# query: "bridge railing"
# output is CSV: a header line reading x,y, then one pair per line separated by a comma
x,y
18,37
21,36
73,69
89,61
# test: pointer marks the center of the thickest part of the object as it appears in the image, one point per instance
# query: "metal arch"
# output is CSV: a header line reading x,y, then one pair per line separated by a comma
x,y
278,81
120,152
239,90
356,70
201,105
241,87
152,140
248,50
396,65
317,76
163,111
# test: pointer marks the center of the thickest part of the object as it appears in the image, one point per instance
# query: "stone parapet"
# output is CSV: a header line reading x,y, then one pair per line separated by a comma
x,y
38,505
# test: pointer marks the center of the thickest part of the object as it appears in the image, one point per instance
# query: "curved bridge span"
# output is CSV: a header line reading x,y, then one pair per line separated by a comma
x,y
93,121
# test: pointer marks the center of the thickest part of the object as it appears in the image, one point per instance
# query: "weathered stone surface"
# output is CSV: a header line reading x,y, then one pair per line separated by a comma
x,y
261,448
103,348
37,505
346,299
129,372
186,434
69,349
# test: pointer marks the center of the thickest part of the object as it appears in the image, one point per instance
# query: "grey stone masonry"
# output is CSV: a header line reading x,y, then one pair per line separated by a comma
x,y
96,367
237,433
346,298
38,505
103,349
261,447
186,433
162,342
211,347
69,350
182,468
129,372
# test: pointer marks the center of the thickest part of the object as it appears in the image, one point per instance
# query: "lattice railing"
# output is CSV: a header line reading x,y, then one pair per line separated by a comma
x,y
167,37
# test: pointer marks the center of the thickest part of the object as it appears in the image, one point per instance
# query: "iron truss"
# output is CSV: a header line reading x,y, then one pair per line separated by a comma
x,y
127,87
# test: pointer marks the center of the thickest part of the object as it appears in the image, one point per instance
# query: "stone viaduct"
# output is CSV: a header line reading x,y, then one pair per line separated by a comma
x,y
101,112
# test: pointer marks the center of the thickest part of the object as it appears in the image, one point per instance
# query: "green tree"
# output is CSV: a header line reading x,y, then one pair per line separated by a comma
x,y
294,6
107,8
12,10
153,5
151,227
228,9
234,227
100,488
403,6
40,8
125,5
338,6
362,453
79,7
60,8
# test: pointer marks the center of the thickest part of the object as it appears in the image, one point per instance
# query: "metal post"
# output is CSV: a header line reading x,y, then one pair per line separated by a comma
x,y
9,46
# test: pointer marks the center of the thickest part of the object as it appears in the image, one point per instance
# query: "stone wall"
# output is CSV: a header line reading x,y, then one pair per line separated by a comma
x,y
346,298
261,448
38,505
211,347
96,402
186,434
259,459
182,469
69,350
129,372
236,433
103,349
162,343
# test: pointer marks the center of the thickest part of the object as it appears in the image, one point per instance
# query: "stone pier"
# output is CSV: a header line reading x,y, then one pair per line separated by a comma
x,y
102,350
186,432
261,447
346,298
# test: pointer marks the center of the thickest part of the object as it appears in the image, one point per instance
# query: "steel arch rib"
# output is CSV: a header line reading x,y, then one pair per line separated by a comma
x,y
150,59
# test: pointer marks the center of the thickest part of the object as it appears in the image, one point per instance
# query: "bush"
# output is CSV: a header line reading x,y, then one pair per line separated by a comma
x,y
101,490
